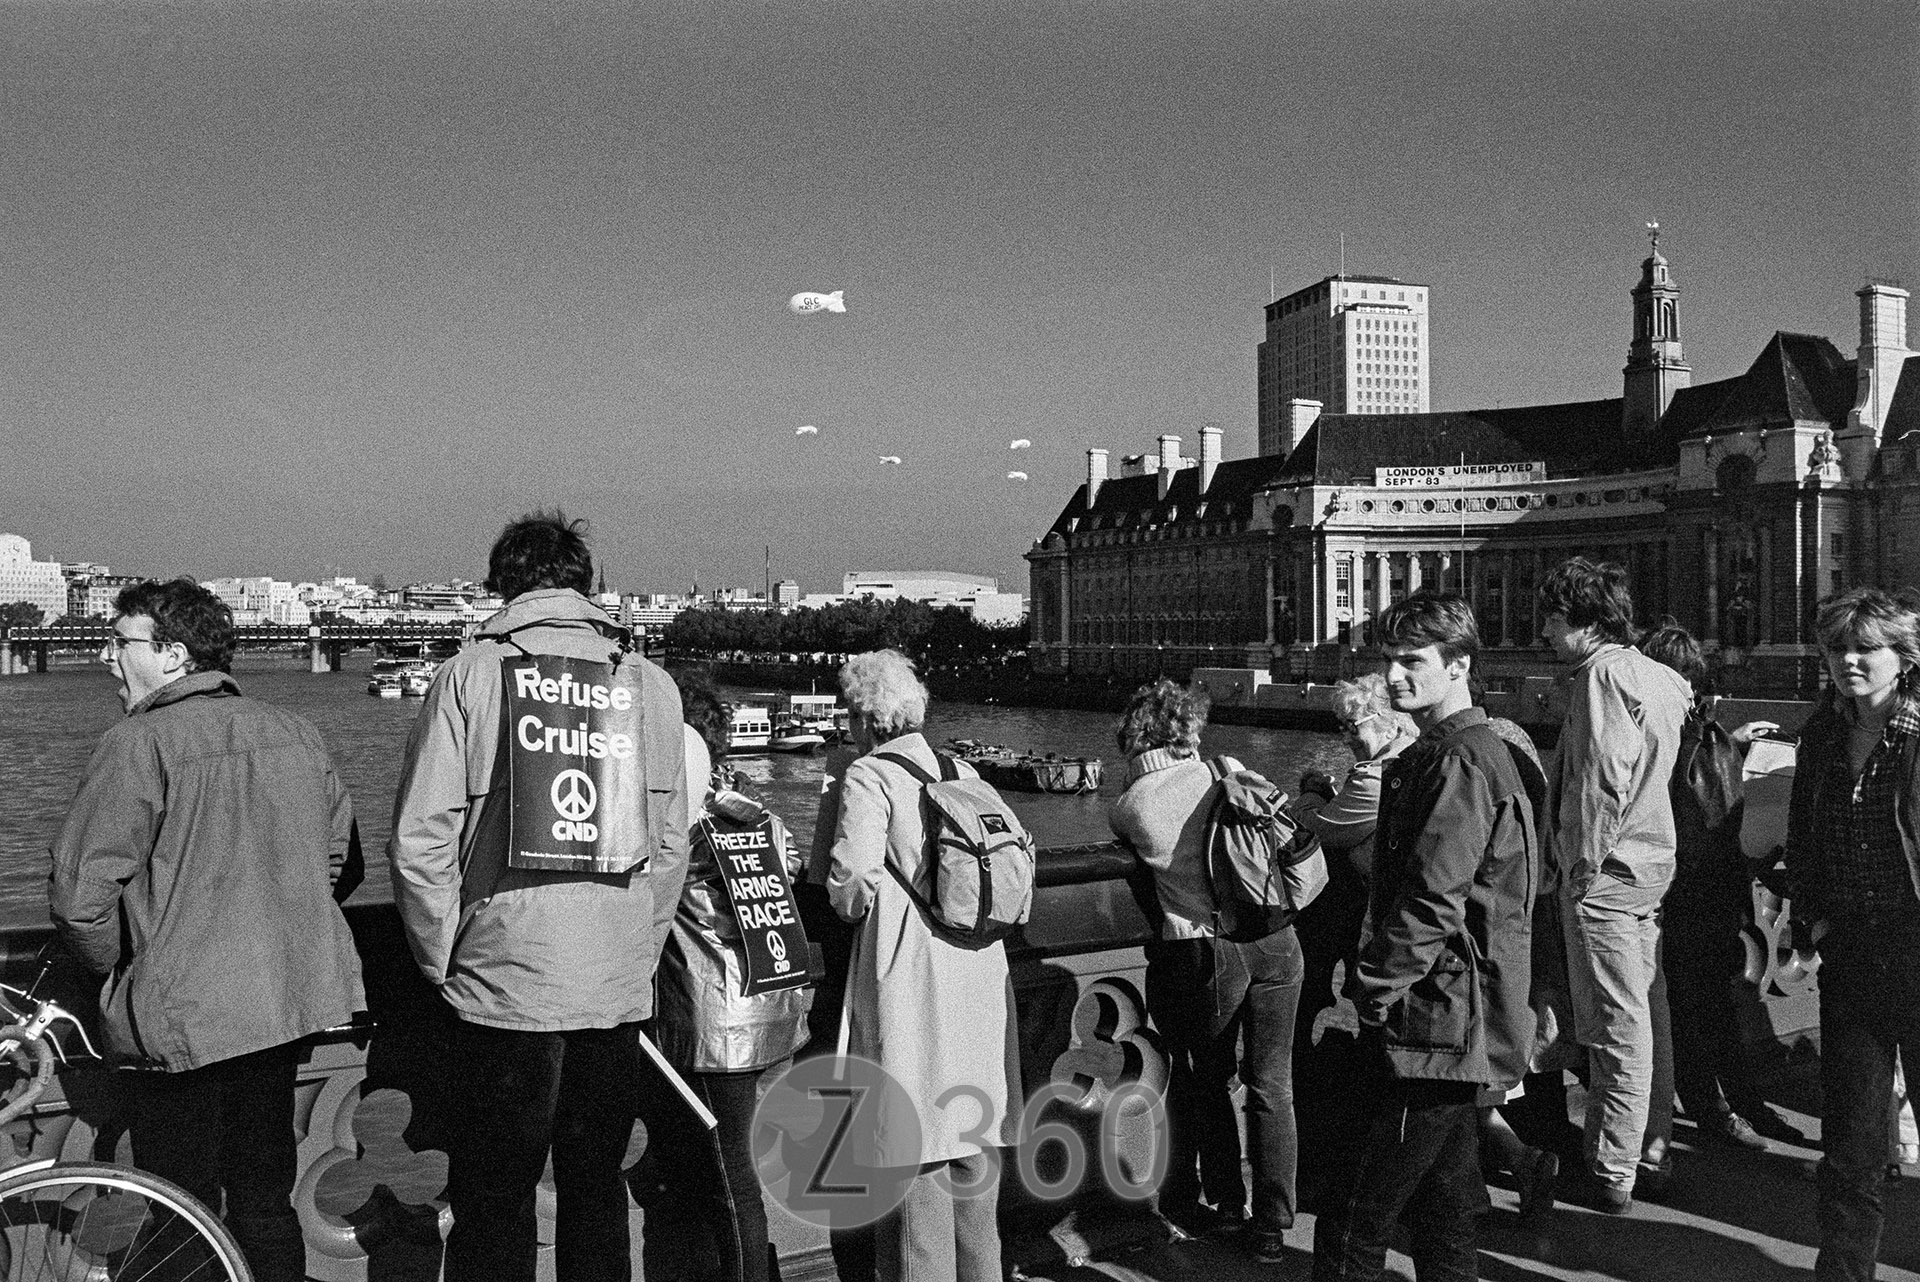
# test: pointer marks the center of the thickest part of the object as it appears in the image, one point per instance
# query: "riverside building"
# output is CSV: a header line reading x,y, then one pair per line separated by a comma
x,y
1735,504
1353,344
24,579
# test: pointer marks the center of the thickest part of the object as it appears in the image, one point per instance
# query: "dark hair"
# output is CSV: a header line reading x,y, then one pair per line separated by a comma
x,y
540,550
701,708
1431,618
1674,646
1163,715
1590,593
184,611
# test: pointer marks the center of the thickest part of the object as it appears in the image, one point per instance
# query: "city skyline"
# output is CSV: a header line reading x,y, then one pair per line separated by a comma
x,y
298,289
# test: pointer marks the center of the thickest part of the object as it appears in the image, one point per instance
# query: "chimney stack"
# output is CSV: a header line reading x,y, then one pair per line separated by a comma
x,y
1169,461
1883,350
1096,473
1301,414
1209,454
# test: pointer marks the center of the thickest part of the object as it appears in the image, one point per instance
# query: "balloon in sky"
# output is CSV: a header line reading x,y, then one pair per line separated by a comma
x,y
1016,476
1021,444
808,430
889,458
805,304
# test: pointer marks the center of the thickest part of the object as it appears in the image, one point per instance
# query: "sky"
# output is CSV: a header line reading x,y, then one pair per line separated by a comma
x,y
341,287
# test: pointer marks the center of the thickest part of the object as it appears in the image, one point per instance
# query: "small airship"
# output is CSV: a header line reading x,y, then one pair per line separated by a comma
x,y
806,303
889,458
808,430
1016,476
1022,444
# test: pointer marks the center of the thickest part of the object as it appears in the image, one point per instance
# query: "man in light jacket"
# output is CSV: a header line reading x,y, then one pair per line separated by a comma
x,y
539,847
1612,820
199,870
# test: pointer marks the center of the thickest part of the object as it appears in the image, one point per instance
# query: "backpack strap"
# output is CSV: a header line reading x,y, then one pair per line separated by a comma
x,y
914,768
1218,767
921,776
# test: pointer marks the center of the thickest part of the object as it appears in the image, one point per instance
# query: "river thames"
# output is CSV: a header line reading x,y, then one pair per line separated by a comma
x,y
49,723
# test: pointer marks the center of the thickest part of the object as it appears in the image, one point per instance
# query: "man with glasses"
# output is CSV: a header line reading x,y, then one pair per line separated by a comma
x,y
199,870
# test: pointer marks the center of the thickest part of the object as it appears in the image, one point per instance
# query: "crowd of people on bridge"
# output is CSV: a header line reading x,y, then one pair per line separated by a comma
x,y
565,855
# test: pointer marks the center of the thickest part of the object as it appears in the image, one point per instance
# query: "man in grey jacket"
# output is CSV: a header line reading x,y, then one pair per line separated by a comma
x,y
1612,820
539,847
199,870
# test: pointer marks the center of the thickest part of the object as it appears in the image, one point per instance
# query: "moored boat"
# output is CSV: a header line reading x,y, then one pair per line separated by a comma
x,y
751,730
791,734
1028,771
385,685
416,677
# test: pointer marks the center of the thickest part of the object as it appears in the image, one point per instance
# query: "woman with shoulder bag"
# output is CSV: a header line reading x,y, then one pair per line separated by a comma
x,y
1205,992
720,1039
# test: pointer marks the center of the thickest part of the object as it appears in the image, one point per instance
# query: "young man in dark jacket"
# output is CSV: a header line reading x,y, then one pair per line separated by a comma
x,y
1444,969
199,868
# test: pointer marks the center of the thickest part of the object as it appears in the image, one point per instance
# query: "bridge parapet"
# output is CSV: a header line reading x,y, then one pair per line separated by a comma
x,y
374,1103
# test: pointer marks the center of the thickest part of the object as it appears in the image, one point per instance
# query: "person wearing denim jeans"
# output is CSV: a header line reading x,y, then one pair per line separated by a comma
x,y
1205,993
1853,871
1612,817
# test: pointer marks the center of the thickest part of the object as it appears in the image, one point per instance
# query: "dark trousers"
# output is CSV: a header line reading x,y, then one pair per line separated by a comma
x,y
1205,995
1869,1011
519,1095
710,1186
1702,954
1418,1156
227,1129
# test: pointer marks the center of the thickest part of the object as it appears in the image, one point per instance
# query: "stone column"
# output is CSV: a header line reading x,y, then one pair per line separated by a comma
x,y
1763,588
1413,571
1710,550
1383,584
1506,598
1269,579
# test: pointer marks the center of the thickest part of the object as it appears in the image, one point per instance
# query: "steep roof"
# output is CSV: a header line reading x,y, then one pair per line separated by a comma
x,y
1903,412
1571,439
1130,500
1796,376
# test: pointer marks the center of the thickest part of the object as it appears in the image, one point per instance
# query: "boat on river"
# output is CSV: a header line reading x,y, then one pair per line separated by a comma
x,y
1028,771
386,685
791,734
750,730
417,677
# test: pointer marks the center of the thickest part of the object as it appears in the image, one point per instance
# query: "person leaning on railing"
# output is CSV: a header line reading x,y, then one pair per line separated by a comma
x,y
1853,870
1205,992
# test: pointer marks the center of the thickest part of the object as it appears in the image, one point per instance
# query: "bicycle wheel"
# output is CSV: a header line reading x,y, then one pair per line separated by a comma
x,y
91,1223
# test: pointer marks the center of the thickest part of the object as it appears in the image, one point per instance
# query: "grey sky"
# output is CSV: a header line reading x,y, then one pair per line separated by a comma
x,y
297,287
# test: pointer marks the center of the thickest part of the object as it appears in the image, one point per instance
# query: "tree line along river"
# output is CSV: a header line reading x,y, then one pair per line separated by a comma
x,y
50,722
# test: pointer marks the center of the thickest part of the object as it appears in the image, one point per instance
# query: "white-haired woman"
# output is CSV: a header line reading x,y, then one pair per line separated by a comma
x,y
938,1018
1853,864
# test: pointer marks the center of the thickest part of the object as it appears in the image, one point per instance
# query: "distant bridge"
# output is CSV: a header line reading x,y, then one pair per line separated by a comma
x,y
26,649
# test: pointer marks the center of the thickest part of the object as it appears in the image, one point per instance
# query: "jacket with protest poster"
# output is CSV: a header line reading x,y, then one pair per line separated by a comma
x,y
531,949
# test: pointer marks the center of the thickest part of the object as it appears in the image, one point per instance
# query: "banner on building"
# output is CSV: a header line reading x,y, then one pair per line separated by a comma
x,y
1470,476
574,767
753,869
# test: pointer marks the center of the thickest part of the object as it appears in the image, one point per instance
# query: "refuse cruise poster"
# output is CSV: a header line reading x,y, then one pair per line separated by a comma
x,y
574,765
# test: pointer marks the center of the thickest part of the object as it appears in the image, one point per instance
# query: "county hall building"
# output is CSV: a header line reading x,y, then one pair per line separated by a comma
x,y
1735,505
